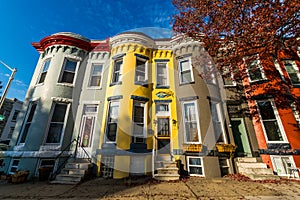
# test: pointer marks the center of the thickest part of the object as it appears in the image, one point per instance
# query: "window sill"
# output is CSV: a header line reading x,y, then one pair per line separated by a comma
x,y
181,84
94,88
162,87
39,84
115,83
259,81
65,84
144,84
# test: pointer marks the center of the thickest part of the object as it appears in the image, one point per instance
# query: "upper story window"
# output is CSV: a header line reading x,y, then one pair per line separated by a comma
x,y
228,78
141,75
254,68
56,126
271,122
293,71
139,122
96,75
28,120
216,115
162,75
117,71
112,121
69,71
185,71
191,122
44,71
15,116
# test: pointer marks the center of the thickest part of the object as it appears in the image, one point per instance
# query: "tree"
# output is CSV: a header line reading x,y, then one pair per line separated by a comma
x,y
232,30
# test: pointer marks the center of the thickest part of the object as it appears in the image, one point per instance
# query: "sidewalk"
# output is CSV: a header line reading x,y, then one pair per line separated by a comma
x,y
192,188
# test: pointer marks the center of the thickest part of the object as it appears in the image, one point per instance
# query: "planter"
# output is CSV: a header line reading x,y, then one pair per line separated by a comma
x,y
192,147
226,148
19,177
44,173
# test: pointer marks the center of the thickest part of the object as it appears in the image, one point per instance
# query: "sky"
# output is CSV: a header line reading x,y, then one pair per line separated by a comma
x,y
26,21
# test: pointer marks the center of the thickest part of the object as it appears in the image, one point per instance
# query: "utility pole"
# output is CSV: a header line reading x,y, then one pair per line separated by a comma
x,y
13,72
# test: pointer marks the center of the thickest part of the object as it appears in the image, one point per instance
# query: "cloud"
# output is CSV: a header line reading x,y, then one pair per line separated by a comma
x,y
7,75
20,83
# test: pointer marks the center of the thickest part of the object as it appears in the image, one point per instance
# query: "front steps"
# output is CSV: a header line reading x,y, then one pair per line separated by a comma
x,y
74,172
254,168
165,170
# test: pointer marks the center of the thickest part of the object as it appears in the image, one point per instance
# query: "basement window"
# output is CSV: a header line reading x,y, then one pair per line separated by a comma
x,y
195,166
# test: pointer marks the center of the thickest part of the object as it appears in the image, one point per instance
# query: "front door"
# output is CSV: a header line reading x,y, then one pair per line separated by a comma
x,y
241,137
163,135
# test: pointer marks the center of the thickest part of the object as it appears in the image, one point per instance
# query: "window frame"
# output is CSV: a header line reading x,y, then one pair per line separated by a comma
x,y
71,59
166,75
91,76
197,121
295,67
247,62
134,136
145,81
189,60
110,104
15,115
42,71
292,162
25,122
64,123
219,114
277,118
225,75
200,166
119,81
11,165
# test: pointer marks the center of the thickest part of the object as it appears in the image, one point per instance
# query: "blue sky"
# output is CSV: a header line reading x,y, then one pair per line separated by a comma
x,y
26,21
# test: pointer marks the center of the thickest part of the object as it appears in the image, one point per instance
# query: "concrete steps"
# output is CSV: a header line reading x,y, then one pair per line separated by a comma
x,y
254,168
73,172
166,170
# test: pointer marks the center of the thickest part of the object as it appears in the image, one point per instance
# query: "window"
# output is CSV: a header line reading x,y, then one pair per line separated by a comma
x,y
195,166
293,71
218,127
29,117
69,71
87,124
254,68
163,127
296,113
138,134
47,163
185,71
44,71
11,131
228,78
14,118
107,166
112,122
284,166
162,109
271,122
141,70
57,123
116,75
96,75
14,166
161,75
191,122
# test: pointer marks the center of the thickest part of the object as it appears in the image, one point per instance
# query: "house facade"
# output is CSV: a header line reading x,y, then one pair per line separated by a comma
x,y
131,104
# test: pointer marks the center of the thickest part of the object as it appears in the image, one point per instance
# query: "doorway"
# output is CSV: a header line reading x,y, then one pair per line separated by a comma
x,y
241,137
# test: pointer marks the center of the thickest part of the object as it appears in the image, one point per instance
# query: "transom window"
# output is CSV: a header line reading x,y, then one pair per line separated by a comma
x,y
116,75
271,121
69,71
138,122
185,71
161,74
56,125
191,122
44,71
195,166
293,71
141,70
96,75
112,121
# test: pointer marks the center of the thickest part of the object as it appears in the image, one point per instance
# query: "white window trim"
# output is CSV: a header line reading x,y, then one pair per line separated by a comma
x,y
188,166
163,113
293,63
91,73
106,126
74,59
25,120
191,69
64,125
256,57
40,162
120,72
294,174
296,113
221,116
146,71
144,105
11,165
277,119
48,58
167,74
233,81
198,122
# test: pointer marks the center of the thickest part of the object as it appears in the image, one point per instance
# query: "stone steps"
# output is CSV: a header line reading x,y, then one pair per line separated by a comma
x,y
166,170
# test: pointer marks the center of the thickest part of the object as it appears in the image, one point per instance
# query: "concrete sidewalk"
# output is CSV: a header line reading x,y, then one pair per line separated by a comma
x,y
146,188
